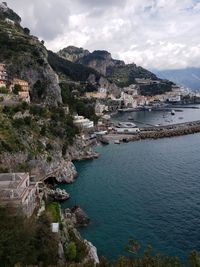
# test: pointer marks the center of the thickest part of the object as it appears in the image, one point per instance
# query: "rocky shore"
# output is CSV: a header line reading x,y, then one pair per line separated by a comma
x,y
71,219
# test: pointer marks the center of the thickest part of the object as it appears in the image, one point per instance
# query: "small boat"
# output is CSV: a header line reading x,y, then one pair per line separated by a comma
x,y
104,141
172,112
180,118
117,142
130,118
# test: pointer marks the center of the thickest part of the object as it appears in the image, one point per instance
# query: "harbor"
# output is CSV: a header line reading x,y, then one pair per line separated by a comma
x,y
140,125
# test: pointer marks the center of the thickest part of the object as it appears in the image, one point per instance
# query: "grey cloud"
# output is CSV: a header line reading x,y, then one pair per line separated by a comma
x,y
151,33
47,19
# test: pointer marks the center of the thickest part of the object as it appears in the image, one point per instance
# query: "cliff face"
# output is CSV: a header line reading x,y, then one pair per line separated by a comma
x,y
6,12
26,58
99,60
116,72
73,54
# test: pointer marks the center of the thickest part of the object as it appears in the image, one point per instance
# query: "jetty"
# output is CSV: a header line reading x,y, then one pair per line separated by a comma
x,y
156,132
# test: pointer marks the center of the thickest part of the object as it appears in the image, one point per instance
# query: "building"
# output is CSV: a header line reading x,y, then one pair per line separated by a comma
x,y
19,190
24,92
3,75
100,108
83,123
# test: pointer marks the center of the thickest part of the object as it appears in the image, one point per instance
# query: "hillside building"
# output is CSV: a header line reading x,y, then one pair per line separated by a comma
x,y
20,191
83,123
24,92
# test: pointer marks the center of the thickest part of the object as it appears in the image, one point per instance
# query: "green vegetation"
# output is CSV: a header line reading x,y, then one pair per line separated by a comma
x,y
54,209
17,88
125,75
3,90
76,248
72,71
155,89
71,251
83,107
24,132
26,241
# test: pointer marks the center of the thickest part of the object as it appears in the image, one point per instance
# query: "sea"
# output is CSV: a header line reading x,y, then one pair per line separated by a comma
x,y
147,190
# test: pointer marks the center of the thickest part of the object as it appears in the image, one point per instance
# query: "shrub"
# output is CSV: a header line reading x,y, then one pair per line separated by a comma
x,y
54,209
3,90
71,251
17,88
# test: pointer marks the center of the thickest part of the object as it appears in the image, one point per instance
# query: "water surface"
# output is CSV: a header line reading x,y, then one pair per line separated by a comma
x,y
149,190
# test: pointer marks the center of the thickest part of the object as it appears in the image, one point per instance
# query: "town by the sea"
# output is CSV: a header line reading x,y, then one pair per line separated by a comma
x,y
147,190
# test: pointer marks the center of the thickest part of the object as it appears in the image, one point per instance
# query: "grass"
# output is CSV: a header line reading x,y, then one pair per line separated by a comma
x,y
54,209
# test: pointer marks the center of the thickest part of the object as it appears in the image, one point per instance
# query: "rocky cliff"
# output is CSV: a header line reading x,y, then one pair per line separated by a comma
x,y
73,54
26,58
116,72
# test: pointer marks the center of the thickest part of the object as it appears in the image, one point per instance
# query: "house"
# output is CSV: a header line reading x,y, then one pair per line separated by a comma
x,y
83,123
100,108
3,75
24,92
19,190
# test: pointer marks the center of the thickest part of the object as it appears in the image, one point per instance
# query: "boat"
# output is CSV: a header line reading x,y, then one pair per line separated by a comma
x,y
130,118
180,118
172,112
104,141
117,142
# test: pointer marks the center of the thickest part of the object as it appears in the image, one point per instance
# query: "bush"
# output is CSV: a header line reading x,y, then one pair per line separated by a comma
x,y
54,209
17,88
71,251
3,90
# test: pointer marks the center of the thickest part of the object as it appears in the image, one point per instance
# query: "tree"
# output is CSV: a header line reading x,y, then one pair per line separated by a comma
x,y
17,88
26,31
71,251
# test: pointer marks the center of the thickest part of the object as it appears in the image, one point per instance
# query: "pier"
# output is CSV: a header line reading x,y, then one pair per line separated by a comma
x,y
156,132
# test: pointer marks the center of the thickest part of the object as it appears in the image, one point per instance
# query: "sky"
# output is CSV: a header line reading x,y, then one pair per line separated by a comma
x,y
155,34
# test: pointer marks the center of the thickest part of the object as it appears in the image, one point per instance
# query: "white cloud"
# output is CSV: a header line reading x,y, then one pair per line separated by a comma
x,y
152,33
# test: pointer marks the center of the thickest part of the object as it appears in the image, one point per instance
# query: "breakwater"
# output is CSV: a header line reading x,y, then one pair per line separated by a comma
x,y
158,132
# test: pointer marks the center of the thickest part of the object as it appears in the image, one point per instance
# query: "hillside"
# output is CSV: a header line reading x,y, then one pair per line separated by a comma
x,y
69,70
26,58
189,77
116,71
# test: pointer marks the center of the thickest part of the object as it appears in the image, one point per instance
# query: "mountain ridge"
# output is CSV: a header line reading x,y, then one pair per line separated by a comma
x,y
188,77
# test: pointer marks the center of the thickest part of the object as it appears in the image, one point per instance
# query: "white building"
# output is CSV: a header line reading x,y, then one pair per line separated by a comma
x,y
129,100
83,123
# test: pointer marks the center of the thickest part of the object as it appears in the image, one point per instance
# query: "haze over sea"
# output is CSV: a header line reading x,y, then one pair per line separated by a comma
x,y
148,190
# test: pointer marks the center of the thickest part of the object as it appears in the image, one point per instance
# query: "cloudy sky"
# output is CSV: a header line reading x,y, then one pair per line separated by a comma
x,y
156,34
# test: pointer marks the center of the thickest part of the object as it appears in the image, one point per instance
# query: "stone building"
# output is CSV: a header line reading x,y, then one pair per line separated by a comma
x,y
24,92
20,191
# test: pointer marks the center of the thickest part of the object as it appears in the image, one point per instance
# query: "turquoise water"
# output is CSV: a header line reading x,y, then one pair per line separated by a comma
x,y
149,190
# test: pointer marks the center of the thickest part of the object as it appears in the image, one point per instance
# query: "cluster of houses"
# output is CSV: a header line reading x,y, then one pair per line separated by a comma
x,y
130,97
10,85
